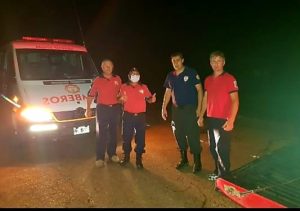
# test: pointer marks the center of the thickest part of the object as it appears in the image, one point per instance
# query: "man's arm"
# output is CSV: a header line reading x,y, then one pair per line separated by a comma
x,y
166,100
200,95
151,99
203,109
89,100
229,124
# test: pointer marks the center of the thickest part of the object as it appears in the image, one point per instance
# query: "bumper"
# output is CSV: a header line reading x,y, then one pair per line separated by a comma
x,y
57,130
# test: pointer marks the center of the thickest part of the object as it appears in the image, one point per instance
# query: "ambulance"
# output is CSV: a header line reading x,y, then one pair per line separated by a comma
x,y
44,85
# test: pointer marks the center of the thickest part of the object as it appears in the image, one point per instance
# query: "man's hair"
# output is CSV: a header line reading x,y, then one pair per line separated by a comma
x,y
217,53
177,54
106,60
134,69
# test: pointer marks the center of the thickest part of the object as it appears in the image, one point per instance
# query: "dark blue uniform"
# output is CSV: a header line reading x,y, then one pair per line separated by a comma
x,y
185,102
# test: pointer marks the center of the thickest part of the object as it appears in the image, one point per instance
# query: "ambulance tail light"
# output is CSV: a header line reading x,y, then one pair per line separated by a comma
x,y
36,114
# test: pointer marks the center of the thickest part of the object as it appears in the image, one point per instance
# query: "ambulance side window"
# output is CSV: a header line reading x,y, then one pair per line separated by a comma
x,y
1,70
89,66
8,79
11,67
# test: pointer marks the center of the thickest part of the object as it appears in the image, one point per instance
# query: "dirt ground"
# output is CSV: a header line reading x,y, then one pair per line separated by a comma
x,y
62,174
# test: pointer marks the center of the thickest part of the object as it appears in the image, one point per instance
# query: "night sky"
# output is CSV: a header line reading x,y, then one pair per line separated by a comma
x,y
260,39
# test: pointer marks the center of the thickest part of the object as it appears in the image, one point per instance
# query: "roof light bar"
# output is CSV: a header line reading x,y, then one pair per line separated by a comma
x,y
43,39
35,39
63,41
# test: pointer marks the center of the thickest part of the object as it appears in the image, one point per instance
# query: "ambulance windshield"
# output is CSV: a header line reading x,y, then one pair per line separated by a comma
x,y
55,65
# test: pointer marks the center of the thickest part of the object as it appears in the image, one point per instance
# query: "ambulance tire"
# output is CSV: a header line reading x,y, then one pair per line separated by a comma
x,y
6,123
17,141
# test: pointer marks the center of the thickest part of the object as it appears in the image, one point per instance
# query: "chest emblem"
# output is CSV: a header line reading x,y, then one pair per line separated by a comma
x,y
185,78
116,83
72,88
141,91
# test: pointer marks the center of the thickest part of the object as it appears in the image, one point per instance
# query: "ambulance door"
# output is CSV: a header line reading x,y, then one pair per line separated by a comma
x,y
7,90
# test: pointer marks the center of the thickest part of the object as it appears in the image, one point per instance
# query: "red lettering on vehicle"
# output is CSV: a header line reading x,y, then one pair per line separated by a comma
x,y
77,97
45,101
70,98
63,99
54,99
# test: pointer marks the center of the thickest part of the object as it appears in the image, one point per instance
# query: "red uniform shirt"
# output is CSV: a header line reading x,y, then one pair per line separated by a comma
x,y
136,97
106,89
218,94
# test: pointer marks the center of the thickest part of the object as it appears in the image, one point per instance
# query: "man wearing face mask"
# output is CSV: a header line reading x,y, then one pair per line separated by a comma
x,y
134,96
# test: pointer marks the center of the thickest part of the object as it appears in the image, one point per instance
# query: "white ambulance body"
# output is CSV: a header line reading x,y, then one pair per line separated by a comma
x,y
45,82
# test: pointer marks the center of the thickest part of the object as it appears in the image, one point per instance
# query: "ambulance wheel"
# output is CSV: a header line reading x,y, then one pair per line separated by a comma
x,y
17,141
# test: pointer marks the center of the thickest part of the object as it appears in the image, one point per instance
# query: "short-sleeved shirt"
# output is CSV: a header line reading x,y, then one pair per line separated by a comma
x,y
136,97
106,89
183,87
218,94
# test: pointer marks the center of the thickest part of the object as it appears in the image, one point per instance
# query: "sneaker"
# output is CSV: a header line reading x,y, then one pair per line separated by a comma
x,y
99,163
114,159
212,177
212,174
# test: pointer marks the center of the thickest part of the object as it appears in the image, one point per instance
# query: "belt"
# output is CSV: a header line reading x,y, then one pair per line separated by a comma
x,y
134,114
109,105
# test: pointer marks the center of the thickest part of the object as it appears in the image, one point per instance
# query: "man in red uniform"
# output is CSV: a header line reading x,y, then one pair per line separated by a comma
x,y
134,96
106,88
221,101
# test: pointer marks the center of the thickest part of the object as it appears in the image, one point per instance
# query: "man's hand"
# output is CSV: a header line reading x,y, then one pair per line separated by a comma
x,y
228,126
164,113
88,113
123,98
153,98
200,122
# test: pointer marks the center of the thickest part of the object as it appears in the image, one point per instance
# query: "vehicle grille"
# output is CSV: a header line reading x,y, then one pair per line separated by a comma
x,y
69,115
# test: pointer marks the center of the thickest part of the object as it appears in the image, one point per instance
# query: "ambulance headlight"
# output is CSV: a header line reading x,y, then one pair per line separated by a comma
x,y
36,114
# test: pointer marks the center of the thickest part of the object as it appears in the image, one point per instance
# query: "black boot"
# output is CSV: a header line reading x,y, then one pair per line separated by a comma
x,y
184,160
125,159
139,163
197,163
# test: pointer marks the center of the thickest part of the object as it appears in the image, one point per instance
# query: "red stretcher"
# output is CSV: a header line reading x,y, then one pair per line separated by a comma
x,y
244,197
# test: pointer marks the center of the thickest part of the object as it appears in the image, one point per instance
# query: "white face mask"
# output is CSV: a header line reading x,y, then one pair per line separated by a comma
x,y
134,78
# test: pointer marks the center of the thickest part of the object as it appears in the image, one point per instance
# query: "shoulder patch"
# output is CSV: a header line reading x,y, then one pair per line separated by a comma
x,y
235,84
